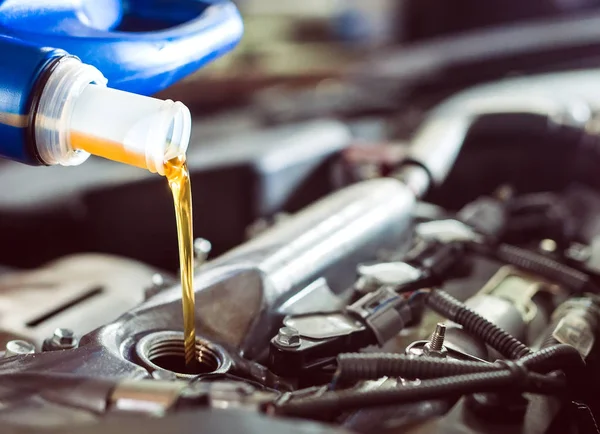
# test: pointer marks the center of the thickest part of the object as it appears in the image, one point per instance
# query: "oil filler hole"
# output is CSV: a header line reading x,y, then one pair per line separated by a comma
x,y
165,351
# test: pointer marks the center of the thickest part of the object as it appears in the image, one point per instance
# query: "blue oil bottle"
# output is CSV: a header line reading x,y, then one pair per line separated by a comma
x,y
58,56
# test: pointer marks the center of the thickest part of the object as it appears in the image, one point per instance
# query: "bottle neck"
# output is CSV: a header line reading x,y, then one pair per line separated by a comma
x,y
51,122
77,115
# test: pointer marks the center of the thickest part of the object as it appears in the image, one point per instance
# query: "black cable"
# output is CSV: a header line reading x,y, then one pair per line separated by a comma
x,y
448,306
524,375
371,366
563,357
427,389
573,279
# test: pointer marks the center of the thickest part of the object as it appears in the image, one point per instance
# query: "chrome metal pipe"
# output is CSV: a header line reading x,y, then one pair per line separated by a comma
x,y
568,99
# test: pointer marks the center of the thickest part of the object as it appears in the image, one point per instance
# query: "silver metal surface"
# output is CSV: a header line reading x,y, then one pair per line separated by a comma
x,y
506,300
330,236
164,375
83,292
18,348
228,395
415,177
374,276
147,397
322,326
447,231
64,339
288,337
316,297
564,98
519,288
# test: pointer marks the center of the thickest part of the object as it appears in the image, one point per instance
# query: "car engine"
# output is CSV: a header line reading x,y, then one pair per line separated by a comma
x,y
449,283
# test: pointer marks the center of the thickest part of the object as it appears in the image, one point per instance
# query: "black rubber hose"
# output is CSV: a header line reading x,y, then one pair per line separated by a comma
x,y
563,357
425,390
575,280
448,306
371,366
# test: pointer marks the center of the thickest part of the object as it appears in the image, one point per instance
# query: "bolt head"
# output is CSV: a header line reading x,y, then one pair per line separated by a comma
x,y
158,281
548,245
202,247
427,351
64,337
288,337
18,347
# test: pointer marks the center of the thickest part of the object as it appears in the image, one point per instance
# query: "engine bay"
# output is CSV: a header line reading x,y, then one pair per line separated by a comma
x,y
350,312
443,279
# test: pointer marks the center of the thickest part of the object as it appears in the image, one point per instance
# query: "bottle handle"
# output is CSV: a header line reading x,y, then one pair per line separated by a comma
x,y
140,62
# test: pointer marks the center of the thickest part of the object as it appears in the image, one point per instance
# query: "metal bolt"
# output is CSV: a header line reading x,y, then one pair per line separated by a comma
x,y
18,348
437,339
547,245
62,339
158,280
202,248
64,336
288,337
435,346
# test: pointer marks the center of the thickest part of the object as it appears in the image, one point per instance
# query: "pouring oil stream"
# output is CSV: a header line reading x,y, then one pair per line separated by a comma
x,y
178,176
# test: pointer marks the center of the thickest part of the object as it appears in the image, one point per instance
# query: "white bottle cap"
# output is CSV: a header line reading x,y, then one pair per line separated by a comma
x,y
78,116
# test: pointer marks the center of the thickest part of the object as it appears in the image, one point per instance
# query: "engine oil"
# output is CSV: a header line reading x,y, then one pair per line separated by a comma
x,y
109,149
179,181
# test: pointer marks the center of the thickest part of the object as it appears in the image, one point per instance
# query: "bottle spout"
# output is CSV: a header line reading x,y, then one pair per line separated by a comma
x,y
78,116
133,129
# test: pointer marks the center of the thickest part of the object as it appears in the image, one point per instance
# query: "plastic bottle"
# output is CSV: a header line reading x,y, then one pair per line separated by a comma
x,y
55,108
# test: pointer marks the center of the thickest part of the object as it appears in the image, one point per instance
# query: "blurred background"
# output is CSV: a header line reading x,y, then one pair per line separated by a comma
x,y
319,94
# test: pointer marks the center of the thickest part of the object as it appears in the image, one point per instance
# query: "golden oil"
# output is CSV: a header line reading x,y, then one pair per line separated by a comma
x,y
106,149
178,176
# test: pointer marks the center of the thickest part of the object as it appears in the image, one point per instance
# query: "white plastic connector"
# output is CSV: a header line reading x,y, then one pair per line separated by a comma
x,y
78,116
